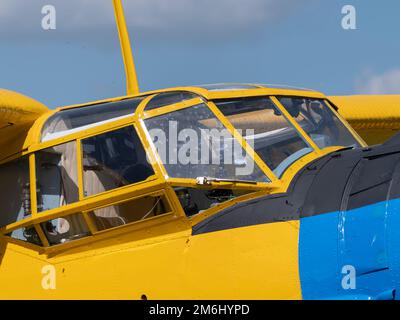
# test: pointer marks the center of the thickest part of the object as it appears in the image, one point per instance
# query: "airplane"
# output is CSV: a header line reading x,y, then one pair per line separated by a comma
x,y
94,203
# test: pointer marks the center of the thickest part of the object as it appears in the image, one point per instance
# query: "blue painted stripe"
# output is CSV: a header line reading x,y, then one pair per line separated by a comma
x,y
366,238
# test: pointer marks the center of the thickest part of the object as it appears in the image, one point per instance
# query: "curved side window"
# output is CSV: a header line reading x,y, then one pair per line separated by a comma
x,y
168,98
113,159
319,122
15,200
71,120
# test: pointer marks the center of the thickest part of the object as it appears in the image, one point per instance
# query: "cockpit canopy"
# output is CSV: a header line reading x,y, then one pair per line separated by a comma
x,y
279,130
209,144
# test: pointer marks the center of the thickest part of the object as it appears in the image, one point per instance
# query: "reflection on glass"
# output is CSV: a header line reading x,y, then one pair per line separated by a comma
x,y
57,177
274,139
71,120
319,122
193,143
27,234
112,160
66,229
15,199
130,211
168,98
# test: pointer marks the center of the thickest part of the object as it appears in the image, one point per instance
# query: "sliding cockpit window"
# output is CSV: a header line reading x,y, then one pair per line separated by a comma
x,y
72,120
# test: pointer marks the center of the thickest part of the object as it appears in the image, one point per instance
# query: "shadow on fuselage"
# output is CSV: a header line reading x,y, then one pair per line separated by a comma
x,y
3,246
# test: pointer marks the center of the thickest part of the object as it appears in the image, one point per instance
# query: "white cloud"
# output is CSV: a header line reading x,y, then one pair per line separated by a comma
x,y
149,18
385,83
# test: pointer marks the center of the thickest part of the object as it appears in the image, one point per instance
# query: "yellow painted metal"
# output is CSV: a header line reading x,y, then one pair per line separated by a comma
x,y
119,267
5,243
376,118
42,236
212,95
139,112
143,230
191,183
17,115
79,162
32,182
89,222
132,85
294,123
235,272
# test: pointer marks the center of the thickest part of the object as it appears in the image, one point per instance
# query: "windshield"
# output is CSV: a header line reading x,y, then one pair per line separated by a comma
x,y
319,121
193,143
274,139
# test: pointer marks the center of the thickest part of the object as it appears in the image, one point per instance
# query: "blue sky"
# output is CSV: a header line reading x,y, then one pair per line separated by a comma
x,y
183,42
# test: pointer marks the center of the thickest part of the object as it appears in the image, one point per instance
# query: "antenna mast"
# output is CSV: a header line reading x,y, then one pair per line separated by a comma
x,y
132,85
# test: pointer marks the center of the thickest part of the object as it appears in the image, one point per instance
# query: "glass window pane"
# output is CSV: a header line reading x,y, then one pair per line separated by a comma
x,y
112,160
130,211
274,139
167,98
280,86
57,177
27,234
71,120
193,143
66,229
319,121
15,199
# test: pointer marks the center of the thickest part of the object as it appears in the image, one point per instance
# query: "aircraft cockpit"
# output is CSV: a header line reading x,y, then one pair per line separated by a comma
x,y
165,155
